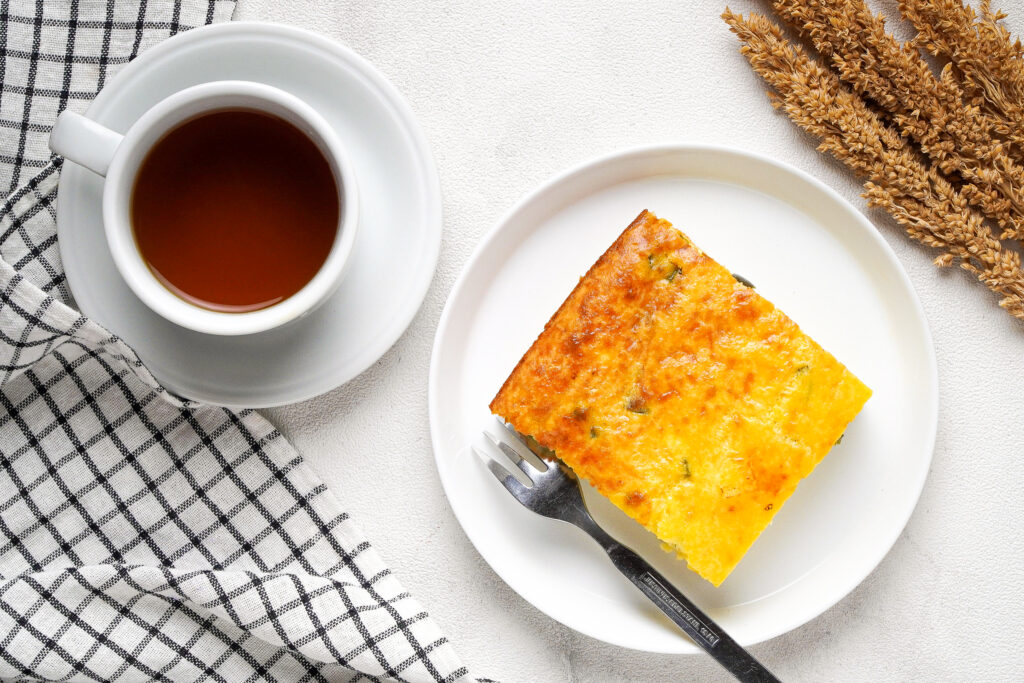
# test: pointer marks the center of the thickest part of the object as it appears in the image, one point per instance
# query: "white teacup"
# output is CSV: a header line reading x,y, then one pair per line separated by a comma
x,y
118,157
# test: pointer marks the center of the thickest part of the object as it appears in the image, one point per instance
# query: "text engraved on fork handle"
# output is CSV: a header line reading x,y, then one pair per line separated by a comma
x,y
699,626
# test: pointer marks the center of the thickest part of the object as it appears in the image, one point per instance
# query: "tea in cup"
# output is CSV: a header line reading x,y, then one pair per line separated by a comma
x,y
229,207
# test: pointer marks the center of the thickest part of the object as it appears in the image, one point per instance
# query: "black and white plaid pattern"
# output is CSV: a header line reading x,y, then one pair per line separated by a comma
x,y
143,538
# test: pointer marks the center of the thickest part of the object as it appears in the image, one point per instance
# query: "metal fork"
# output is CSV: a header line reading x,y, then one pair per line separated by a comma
x,y
556,494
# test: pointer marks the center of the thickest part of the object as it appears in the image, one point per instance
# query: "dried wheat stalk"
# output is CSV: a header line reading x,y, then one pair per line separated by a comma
x,y
990,61
898,178
933,110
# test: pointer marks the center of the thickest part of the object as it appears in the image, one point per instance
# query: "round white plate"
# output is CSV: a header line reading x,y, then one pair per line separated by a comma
x,y
806,250
396,249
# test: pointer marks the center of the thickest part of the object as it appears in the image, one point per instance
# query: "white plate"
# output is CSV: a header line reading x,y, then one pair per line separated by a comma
x,y
806,250
396,249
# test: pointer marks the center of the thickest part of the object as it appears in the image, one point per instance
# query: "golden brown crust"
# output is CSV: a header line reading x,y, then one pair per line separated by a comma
x,y
616,245
682,395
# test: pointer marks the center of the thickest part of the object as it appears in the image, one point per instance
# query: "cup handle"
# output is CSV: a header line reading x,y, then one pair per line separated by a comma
x,y
84,141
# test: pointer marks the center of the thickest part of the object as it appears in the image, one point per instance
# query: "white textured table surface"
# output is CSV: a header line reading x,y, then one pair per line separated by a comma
x,y
510,92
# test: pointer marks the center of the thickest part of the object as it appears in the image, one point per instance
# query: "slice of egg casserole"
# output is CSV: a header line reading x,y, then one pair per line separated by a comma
x,y
681,394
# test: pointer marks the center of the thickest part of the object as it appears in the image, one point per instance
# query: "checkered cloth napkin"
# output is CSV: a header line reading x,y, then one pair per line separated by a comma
x,y
142,537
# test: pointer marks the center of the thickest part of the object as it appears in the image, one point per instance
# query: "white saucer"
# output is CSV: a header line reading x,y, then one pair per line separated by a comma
x,y
806,250
393,260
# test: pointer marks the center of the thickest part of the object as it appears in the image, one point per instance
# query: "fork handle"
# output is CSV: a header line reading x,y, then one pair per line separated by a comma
x,y
698,625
